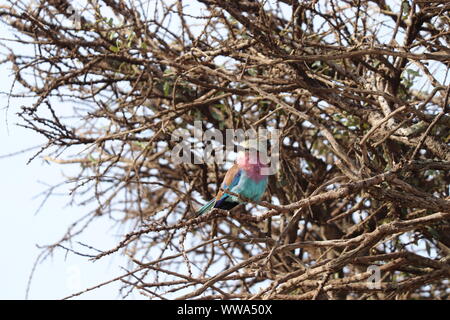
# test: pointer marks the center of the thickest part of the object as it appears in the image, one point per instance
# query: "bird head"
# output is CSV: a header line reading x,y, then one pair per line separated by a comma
x,y
253,149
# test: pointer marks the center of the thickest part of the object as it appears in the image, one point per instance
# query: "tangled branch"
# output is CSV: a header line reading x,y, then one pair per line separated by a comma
x,y
358,89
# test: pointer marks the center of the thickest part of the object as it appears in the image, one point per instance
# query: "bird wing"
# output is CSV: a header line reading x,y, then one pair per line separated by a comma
x,y
231,179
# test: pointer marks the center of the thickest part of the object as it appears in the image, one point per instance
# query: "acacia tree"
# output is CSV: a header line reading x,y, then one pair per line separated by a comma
x,y
358,89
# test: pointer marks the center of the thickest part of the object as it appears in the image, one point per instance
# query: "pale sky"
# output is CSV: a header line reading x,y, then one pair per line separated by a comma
x,y
21,229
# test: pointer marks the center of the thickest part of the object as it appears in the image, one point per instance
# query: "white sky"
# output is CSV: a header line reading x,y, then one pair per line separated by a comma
x,y
21,230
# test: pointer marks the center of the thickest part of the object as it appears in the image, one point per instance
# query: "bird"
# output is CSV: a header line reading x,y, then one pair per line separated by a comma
x,y
247,178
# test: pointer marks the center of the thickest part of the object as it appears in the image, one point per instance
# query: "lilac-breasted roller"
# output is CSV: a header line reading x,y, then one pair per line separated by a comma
x,y
247,178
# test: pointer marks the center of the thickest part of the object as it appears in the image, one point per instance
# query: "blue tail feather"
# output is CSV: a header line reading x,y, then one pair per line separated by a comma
x,y
226,203
206,207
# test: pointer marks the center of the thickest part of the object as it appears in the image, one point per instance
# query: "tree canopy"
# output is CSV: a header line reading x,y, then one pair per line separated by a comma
x,y
359,207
